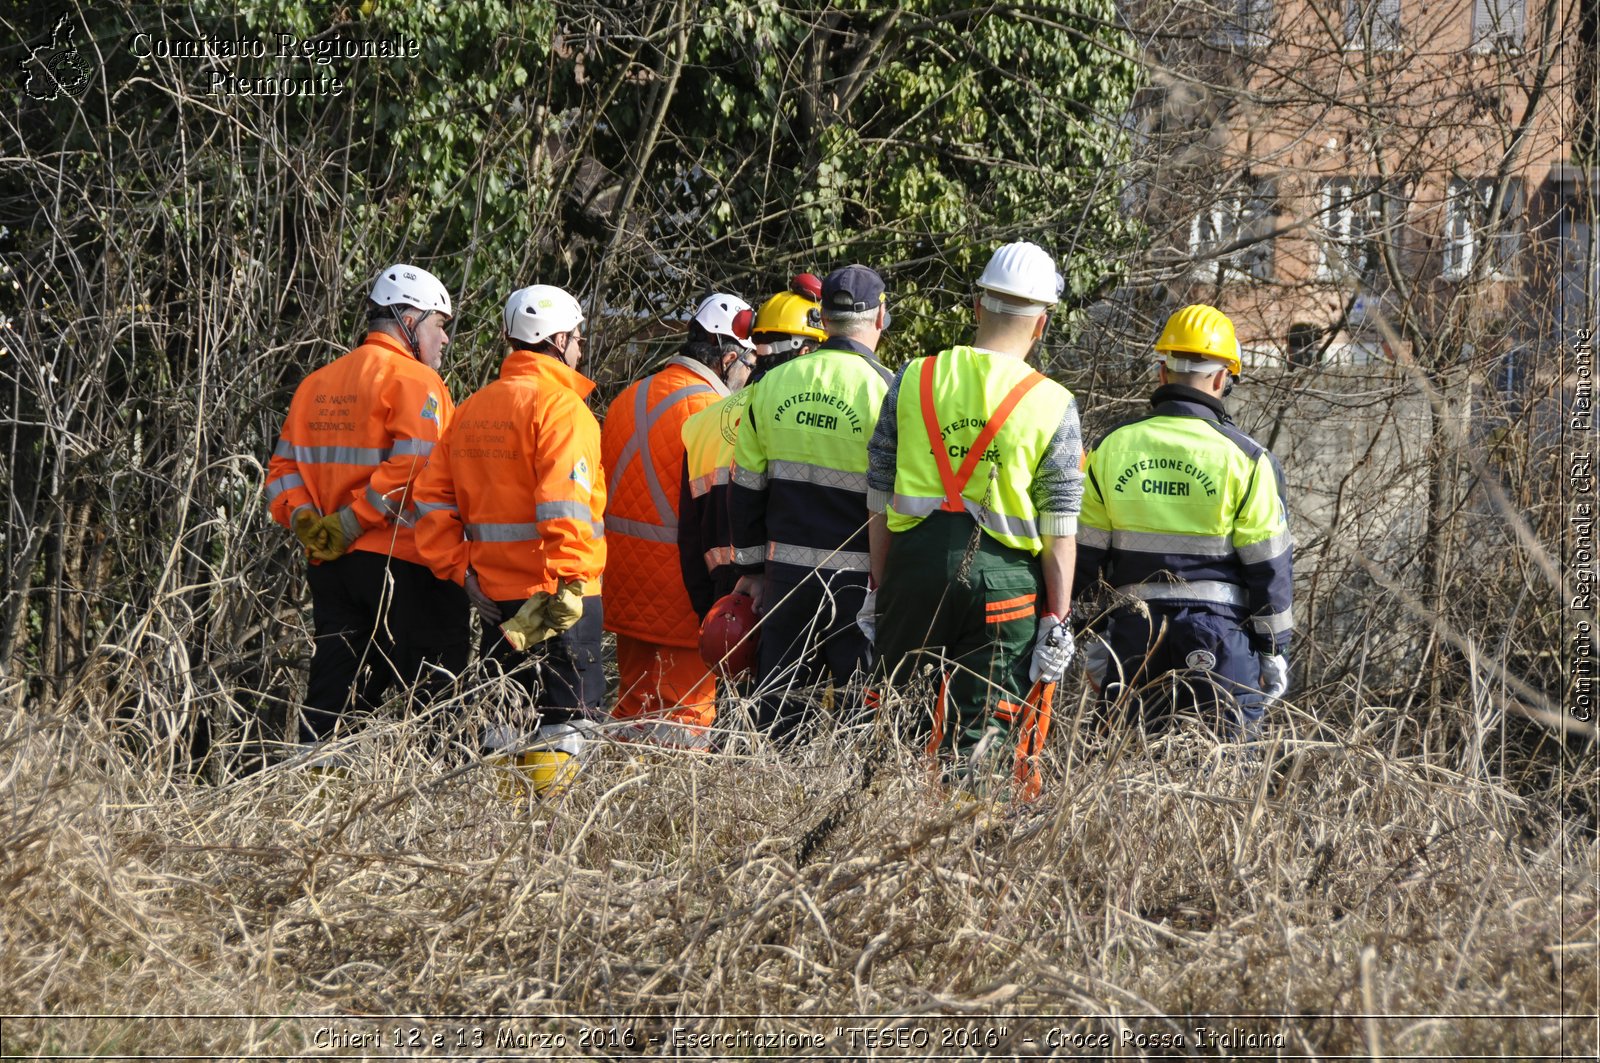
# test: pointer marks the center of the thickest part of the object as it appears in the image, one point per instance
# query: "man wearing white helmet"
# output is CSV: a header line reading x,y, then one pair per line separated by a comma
x,y
358,433
511,508
666,692
975,489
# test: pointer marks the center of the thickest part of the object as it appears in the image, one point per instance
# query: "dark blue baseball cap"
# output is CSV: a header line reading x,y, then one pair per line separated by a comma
x,y
853,289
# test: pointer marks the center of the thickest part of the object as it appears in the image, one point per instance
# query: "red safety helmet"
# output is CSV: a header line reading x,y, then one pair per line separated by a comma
x,y
728,636
808,285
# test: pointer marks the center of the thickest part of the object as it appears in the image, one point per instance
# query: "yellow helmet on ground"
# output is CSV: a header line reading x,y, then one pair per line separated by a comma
x,y
793,314
1197,334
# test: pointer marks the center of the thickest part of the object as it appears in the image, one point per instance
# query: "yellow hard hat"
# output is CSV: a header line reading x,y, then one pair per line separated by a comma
x,y
791,313
1201,331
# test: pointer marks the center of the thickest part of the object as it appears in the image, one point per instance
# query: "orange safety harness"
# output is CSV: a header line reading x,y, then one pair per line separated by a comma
x,y
956,482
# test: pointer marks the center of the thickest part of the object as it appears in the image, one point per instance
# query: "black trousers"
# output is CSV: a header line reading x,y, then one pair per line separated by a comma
x,y
379,623
808,632
564,677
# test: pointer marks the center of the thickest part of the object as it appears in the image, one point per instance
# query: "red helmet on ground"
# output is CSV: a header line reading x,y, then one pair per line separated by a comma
x,y
728,636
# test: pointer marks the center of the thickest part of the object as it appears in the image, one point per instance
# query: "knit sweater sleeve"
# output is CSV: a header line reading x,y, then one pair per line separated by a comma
x,y
1057,490
881,450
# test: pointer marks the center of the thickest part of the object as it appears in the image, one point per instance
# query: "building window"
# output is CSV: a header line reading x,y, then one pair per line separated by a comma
x,y
1372,23
1473,228
1497,25
1352,227
1232,235
1243,23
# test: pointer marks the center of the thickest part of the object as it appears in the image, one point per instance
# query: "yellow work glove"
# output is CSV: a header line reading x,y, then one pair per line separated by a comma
x,y
545,615
337,532
565,605
323,537
306,523
529,627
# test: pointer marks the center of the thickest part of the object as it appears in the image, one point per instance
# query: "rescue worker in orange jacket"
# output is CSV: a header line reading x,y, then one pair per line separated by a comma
x,y
358,433
511,508
666,690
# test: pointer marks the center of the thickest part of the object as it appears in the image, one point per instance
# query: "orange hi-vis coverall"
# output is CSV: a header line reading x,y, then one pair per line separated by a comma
x,y
515,490
359,432
665,687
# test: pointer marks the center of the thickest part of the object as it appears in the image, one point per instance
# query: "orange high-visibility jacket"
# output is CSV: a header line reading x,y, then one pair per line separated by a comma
x,y
642,448
359,431
515,489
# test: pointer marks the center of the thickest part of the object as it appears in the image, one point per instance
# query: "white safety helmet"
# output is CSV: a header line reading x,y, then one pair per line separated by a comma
x,y
536,313
1022,271
403,285
727,315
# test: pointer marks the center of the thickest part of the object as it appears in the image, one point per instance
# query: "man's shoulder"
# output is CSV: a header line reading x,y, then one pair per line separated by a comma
x,y
1123,426
717,406
780,375
1054,388
1247,443
385,366
526,395
355,374
679,372
830,362
1154,420
566,405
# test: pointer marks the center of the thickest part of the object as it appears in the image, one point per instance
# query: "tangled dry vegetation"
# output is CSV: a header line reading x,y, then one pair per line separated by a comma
x,y
1155,882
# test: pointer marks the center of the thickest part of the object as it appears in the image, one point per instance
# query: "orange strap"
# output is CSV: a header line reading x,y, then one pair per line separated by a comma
x,y
1030,739
956,481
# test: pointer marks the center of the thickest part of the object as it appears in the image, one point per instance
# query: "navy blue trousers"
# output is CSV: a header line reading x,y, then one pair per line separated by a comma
x,y
1203,655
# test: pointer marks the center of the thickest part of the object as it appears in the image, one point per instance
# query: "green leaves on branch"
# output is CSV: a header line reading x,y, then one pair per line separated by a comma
x,y
913,138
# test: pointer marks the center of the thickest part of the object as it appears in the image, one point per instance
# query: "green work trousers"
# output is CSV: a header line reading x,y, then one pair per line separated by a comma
x,y
957,600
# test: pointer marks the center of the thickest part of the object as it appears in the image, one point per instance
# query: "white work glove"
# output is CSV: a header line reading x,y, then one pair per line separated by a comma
x,y
1052,650
867,618
1274,677
484,604
1097,661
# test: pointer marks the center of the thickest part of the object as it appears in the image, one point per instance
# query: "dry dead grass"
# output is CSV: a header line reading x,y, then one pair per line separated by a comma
x,y
1152,880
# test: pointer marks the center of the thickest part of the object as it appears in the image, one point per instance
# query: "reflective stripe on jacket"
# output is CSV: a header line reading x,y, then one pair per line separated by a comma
x,y
1180,506
358,433
969,389
705,529
799,494
514,490
642,447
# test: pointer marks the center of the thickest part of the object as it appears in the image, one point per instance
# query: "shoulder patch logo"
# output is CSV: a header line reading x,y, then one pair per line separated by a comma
x,y
729,421
580,475
430,409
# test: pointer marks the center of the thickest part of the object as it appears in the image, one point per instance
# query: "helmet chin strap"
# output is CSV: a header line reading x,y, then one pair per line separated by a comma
x,y
410,333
